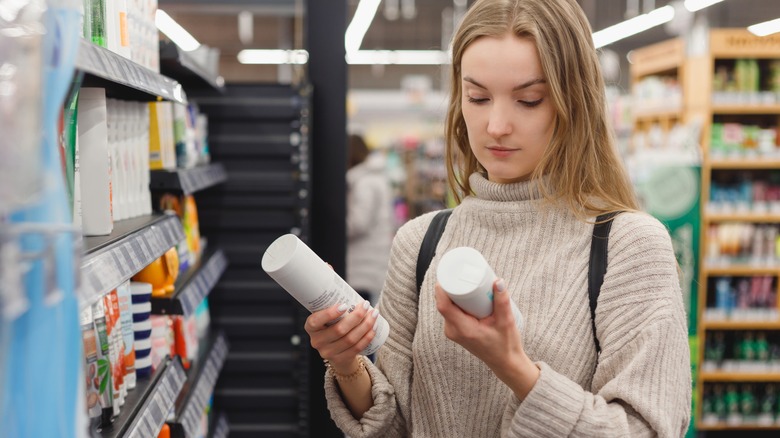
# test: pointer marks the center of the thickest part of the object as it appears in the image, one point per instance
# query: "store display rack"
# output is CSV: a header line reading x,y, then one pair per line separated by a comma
x,y
147,406
699,90
695,73
179,64
123,78
201,379
134,244
193,287
188,181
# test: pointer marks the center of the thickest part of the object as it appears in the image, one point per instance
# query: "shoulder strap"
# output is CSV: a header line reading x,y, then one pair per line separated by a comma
x,y
598,265
428,247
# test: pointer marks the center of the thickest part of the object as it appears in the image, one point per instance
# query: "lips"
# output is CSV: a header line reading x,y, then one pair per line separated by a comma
x,y
501,151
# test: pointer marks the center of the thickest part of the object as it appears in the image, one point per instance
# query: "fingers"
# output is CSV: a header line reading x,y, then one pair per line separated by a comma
x,y
359,337
347,334
448,309
502,307
319,320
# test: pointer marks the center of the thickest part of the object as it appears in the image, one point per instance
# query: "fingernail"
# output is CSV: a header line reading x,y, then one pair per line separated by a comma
x,y
375,313
343,308
366,305
500,285
375,325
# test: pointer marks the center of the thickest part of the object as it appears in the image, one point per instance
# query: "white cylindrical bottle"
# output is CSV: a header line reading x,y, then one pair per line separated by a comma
x,y
309,280
468,279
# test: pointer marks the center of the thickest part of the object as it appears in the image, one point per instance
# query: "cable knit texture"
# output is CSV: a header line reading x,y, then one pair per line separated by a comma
x,y
425,385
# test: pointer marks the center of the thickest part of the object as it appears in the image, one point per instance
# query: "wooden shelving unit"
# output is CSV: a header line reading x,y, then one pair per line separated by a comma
x,y
740,325
696,76
730,44
725,376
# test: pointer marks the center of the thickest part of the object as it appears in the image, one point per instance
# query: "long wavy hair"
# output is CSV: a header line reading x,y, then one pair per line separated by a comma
x,y
581,162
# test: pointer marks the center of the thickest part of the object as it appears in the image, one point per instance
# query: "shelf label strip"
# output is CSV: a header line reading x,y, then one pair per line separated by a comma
x,y
155,410
190,419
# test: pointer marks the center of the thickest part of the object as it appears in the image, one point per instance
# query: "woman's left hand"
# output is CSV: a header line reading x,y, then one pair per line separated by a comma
x,y
494,339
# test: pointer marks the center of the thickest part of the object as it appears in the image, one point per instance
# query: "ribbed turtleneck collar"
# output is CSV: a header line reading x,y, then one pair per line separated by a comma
x,y
491,191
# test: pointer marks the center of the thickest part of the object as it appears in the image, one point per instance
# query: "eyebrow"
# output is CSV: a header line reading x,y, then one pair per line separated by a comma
x,y
519,87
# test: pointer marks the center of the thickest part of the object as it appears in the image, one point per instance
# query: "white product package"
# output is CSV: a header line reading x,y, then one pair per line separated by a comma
x,y
94,163
468,279
308,279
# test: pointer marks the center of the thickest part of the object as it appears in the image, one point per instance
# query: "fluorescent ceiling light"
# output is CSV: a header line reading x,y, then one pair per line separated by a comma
x,y
633,26
695,5
175,32
404,57
765,28
274,57
357,29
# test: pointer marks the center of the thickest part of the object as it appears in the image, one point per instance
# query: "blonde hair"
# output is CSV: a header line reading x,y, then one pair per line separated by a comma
x,y
581,160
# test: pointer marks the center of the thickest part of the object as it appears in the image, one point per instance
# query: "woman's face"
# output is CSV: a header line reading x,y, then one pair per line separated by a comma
x,y
506,106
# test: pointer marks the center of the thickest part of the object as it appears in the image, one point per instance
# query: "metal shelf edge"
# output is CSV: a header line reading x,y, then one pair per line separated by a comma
x,y
116,261
203,385
155,408
105,64
189,181
195,288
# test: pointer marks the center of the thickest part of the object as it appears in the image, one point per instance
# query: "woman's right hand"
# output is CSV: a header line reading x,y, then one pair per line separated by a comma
x,y
342,342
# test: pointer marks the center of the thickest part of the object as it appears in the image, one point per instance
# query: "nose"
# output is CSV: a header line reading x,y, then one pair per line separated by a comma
x,y
500,123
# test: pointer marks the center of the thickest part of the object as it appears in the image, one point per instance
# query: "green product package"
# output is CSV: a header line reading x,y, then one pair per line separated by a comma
x,y
98,22
70,134
106,386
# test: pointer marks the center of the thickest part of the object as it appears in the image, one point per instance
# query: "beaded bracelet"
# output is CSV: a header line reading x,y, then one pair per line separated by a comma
x,y
347,377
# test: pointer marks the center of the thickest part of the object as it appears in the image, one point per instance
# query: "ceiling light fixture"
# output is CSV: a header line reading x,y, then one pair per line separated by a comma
x,y
695,5
398,57
273,57
357,29
633,26
175,32
765,28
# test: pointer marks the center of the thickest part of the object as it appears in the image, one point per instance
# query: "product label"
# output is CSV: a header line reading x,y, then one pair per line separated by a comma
x,y
337,292
126,319
91,371
105,383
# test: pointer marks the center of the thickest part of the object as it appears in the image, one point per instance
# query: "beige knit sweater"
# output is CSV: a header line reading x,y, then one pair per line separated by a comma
x,y
425,385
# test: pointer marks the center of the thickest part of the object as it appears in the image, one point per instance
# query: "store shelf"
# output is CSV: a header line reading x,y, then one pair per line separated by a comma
x,y
756,109
201,379
650,116
191,288
724,426
742,270
181,66
188,181
147,406
745,163
740,325
124,78
722,376
221,428
110,260
743,217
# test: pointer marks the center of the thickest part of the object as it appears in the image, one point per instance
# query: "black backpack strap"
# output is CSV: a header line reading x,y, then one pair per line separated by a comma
x,y
598,265
428,247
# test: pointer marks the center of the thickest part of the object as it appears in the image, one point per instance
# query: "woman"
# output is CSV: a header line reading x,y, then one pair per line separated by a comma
x,y
531,154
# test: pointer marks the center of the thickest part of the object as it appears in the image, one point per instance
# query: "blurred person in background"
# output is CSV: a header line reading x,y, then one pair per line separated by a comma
x,y
369,219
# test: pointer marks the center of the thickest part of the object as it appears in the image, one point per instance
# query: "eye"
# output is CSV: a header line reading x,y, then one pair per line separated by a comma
x,y
477,101
531,104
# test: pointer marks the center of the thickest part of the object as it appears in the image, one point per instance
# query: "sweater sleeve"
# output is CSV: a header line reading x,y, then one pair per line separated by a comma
x,y
642,384
391,377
